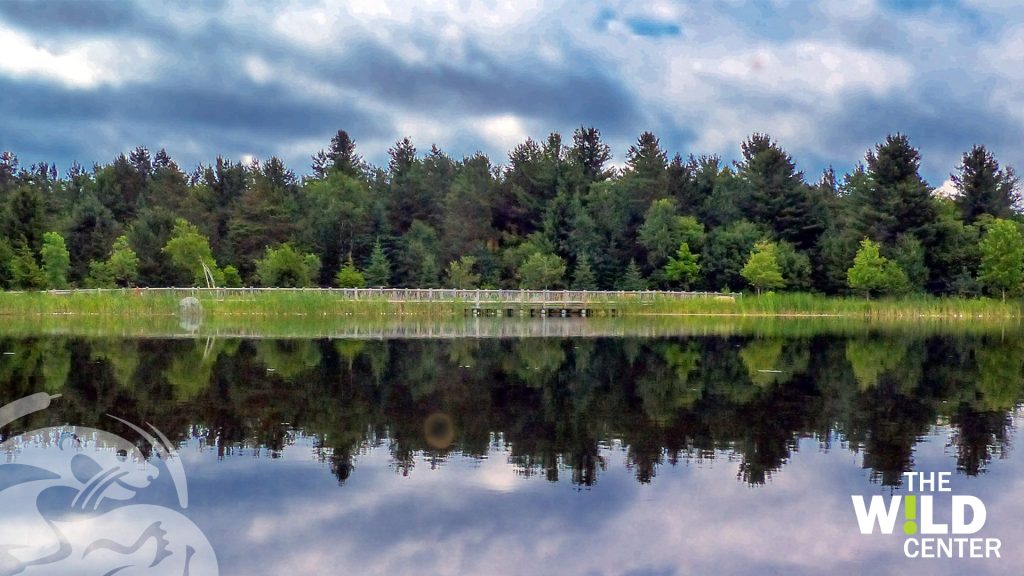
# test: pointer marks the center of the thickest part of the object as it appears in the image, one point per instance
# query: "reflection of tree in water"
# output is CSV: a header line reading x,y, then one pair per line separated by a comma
x,y
552,403
977,437
121,355
999,374
870,358
289,359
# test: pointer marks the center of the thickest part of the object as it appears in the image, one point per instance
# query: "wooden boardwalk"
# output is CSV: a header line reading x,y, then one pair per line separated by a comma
x,y
473,301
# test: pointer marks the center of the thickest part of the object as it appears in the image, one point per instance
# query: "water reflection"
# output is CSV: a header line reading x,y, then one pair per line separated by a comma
x,y
551,403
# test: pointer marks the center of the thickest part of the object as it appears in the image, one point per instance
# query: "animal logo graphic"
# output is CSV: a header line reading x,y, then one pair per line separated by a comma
x,y
73,501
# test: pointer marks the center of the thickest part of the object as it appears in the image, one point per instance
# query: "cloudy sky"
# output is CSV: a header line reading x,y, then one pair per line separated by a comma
x,y
84,81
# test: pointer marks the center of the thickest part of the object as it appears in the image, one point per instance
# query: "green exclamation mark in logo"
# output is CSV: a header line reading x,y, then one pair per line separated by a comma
x,y
910,509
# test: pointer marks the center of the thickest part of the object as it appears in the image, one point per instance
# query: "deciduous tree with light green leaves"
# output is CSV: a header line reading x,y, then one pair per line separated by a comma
x,y
873,273
56,260
188,250
762,268
683,268
286,267
123,263
349,276
541,271
1002,257
460,273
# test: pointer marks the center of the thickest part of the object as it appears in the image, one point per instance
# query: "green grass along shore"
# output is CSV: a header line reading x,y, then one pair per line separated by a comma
x,y
132,303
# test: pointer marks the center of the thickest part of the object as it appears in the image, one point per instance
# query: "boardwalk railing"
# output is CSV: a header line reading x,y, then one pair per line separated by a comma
x,y
437,294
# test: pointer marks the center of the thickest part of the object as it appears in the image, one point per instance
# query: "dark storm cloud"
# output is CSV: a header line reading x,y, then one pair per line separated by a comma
x,y
525,86
250,121
198,87
940,126
71,15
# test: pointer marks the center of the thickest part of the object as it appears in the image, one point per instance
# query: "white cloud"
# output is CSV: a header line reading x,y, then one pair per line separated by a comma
x,y
85,64
258,69
503,132
947,189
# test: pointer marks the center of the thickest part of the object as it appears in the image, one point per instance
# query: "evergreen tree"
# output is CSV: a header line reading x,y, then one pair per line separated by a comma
x,y
646,174
147,236
91,232
984,187
467,208
583,276
590,154
632,279
776,194
25,271
418,263
893,171
341,157
25,216
795,267
378,271
661,232
530,182
264,215
725,253
908,254
6,256
341,217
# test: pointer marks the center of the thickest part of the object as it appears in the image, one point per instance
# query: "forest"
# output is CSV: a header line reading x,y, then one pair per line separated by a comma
x,y
556,214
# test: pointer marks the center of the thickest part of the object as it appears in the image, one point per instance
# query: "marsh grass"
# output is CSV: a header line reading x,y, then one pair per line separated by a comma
x,y
802,304
308,304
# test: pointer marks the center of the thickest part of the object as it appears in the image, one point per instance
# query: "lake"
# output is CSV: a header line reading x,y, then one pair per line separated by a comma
x,y
501,447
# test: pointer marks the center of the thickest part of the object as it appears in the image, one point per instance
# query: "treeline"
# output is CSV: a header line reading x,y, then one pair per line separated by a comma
x,y
555,215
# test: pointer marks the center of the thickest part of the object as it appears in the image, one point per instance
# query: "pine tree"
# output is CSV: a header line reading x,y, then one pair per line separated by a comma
x,y
984,187
893,171
378,271
583,277
341,156
25,272
632,279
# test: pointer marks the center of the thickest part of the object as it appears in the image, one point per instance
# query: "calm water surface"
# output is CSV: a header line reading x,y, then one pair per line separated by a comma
x,y
724,454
